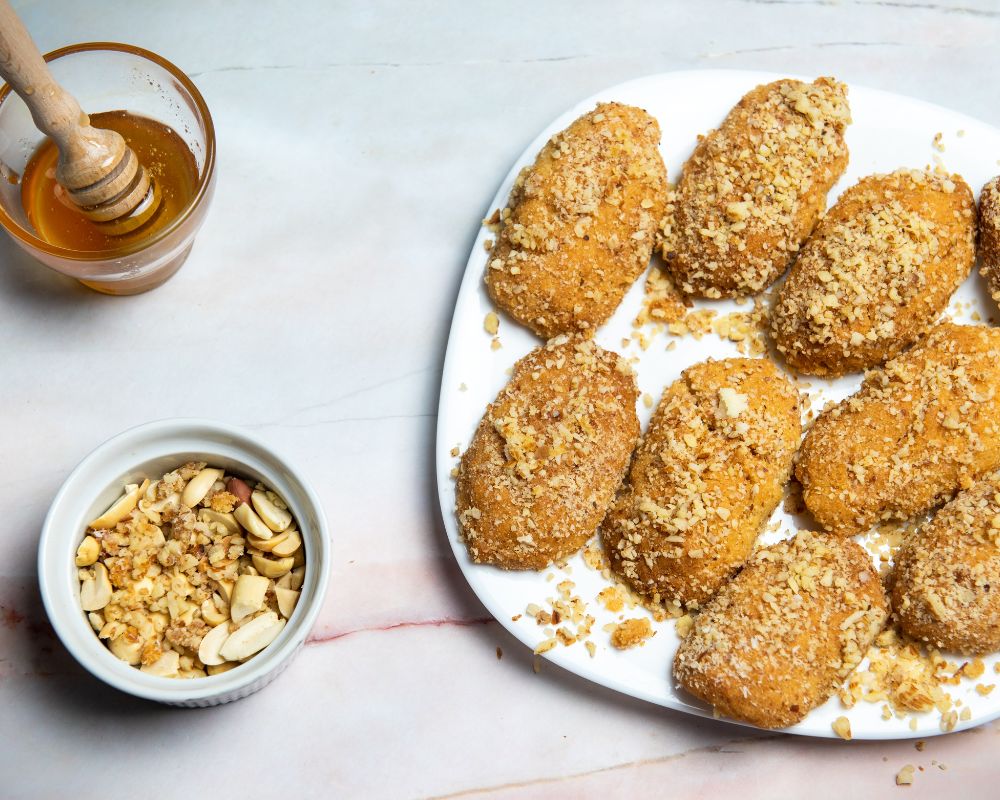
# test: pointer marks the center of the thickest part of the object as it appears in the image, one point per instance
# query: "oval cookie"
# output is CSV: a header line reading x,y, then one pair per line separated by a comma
x,y
580,223
876,273
780,638
989,235
704,480
548,456
947,575
753,189
918,430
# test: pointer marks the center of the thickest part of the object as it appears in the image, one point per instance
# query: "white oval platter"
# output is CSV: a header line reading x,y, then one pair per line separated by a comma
x,y
888,131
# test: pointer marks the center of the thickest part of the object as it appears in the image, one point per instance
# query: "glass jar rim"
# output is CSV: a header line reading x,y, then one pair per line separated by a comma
x,y
13,227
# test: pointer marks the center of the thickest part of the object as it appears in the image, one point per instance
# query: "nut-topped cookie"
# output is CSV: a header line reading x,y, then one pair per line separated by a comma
x,y
946,588
989,235
580,223
876,273
753,189
704,480
778,639
919,429
548,455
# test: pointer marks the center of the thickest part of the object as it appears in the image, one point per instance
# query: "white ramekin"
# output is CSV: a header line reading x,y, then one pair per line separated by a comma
x,y
148,451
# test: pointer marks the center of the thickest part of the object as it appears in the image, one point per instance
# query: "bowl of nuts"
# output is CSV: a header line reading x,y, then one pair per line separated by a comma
x,y
184,561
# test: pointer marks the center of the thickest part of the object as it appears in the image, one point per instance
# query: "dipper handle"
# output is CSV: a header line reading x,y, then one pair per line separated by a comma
x,y
54,110
100,173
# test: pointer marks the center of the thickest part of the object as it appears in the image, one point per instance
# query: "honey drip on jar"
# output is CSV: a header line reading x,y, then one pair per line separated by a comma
x,y
160,150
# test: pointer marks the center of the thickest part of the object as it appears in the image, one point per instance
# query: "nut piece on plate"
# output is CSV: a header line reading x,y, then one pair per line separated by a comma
x,y
704,480
548,455
947,574
918,430
777,640
753,189
170,573
580,223
876,273
989,235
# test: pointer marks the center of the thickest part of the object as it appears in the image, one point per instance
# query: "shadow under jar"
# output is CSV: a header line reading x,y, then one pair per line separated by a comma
x,y
106,77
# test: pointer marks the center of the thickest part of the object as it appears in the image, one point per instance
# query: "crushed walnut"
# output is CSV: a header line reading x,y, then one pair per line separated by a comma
x,y
631,632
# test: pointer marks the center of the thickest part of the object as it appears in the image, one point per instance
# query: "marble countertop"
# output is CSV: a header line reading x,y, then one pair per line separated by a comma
x,y
338,287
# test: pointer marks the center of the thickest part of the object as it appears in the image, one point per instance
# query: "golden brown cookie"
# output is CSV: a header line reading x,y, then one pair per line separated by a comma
x,y
989,235
876,273
580,223
947,575
918,430
548,455
704,480
778,639
753,189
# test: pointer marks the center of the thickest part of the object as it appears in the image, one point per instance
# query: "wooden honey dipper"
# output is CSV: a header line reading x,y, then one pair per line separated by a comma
x,y
101,174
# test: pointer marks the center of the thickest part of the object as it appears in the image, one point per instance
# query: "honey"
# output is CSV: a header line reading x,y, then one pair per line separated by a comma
x,y
163,153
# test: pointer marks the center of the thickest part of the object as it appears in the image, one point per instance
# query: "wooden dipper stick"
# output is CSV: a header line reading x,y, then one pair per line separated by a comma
x,y
100,173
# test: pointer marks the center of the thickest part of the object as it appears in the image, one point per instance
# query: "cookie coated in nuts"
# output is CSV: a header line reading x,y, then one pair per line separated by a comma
x,y
548,455
174,582
946,588
704,480
580,223
919,429
778,639
989,235
876,273
753,189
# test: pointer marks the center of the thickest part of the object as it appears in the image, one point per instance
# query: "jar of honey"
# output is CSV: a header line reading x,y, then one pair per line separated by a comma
x,y
163,118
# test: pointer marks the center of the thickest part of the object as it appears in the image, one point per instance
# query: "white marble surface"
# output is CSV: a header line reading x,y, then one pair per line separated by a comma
x,y
359,144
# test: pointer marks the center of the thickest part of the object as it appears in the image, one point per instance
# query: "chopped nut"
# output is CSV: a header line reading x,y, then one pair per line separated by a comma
x,y
631,632
169,561
199,485
121,508
248,596
127,647
87,552
252,637
95,592
211,644
491,323
277,519
248,518
287,598
272,568
166,666
288,545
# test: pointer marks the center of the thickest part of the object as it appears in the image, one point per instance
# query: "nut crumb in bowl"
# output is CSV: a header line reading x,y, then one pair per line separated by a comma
x,y
154,451
191,574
